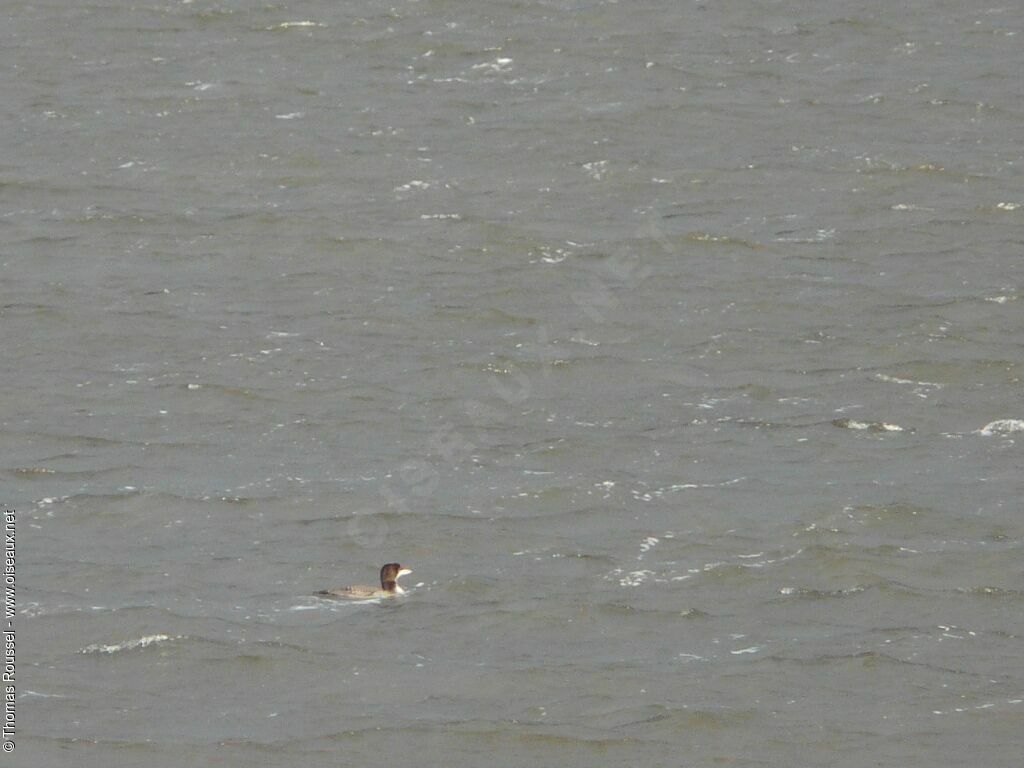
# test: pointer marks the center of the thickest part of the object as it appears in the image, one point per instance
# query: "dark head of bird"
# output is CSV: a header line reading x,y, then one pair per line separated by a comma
x,y
389,576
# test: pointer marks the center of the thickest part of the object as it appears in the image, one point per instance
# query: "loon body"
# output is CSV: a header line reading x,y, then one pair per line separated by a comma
x,y
389,576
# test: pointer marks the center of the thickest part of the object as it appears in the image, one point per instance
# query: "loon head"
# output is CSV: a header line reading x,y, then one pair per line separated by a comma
x,y
389,576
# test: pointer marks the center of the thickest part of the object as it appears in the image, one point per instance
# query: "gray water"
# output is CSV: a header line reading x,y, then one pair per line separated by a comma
x,y
676,346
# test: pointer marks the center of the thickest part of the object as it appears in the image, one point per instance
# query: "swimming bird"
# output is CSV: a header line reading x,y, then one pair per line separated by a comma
x,y
389,576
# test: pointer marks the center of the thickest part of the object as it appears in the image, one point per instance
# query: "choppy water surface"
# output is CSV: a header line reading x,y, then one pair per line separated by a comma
x,y
676,346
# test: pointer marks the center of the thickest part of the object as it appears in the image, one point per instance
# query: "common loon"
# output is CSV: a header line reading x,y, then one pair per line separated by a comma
x,y
389,576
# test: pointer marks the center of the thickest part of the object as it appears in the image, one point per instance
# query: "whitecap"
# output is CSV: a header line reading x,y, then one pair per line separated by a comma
x,y
875,426
1001,427
128,645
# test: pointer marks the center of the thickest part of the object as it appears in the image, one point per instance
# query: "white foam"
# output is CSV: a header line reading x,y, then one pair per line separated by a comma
x,y
500,64
633,579
290,24
596,169
414,184
1001,427
895,380
880,426
129,645
659,492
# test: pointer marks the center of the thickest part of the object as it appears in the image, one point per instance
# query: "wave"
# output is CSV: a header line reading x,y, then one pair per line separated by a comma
x,y
130,645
